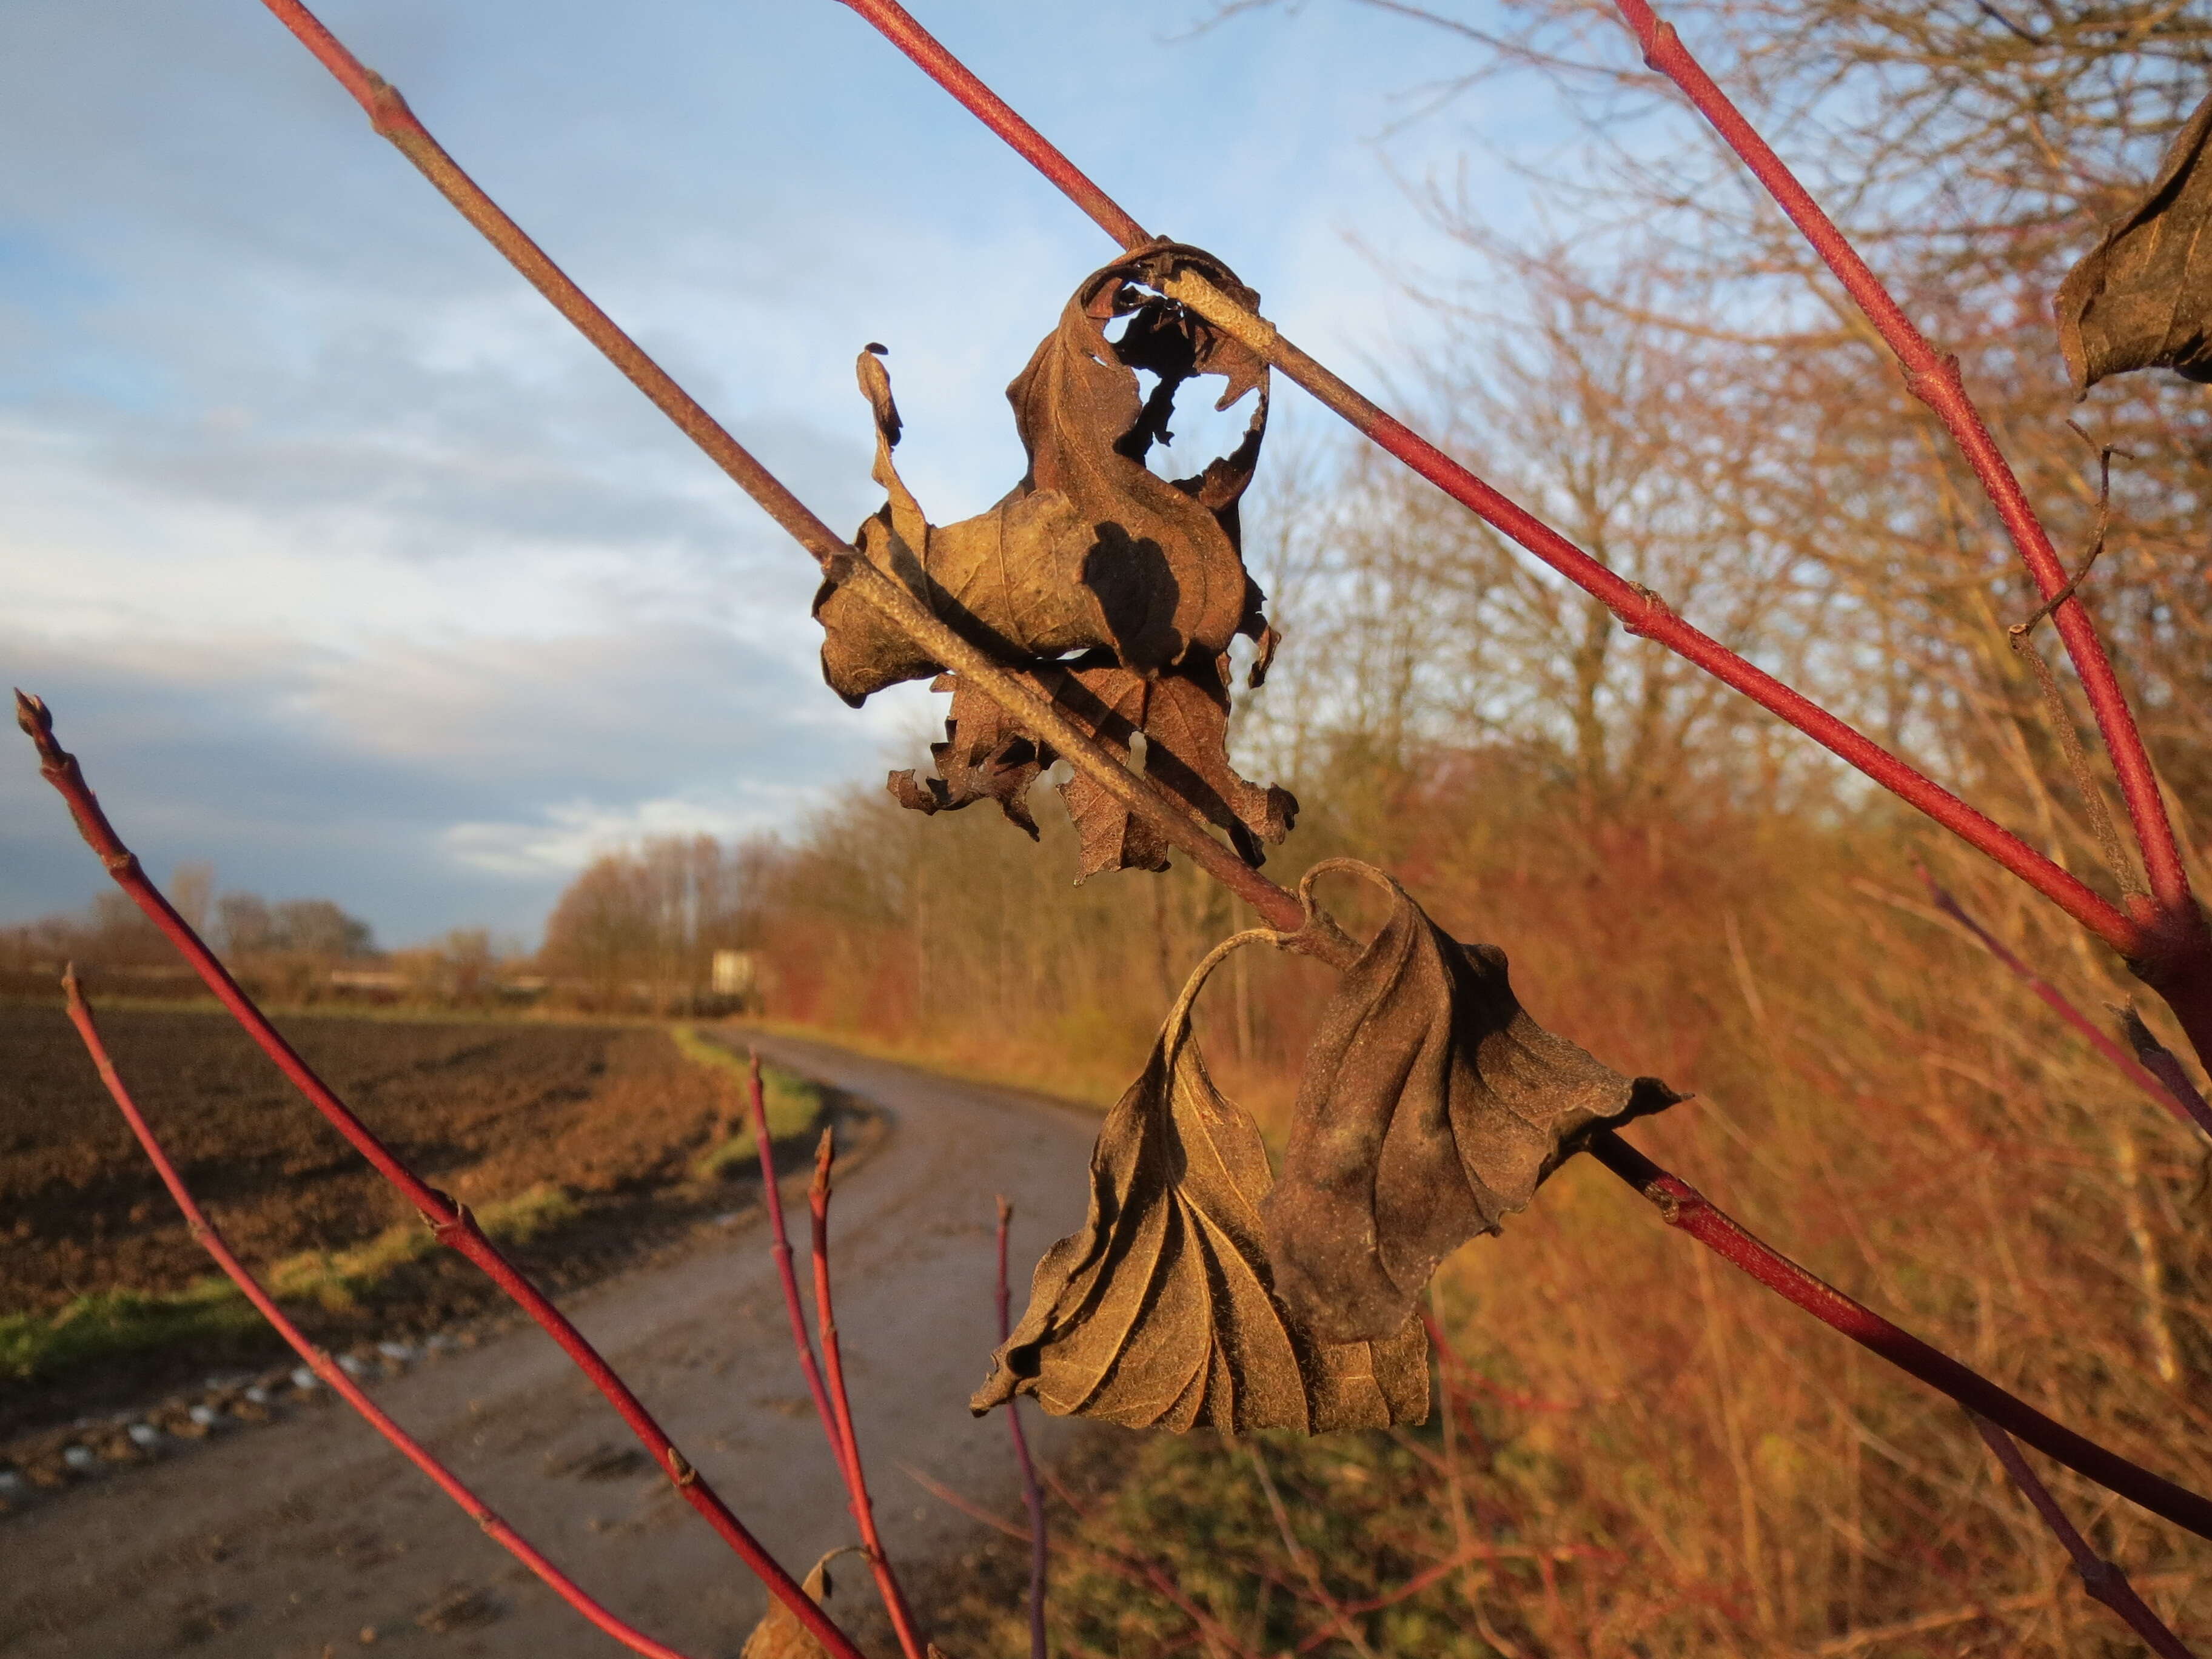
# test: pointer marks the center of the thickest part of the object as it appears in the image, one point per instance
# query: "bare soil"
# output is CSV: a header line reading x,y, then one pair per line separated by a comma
x,y
292,1532
613,1114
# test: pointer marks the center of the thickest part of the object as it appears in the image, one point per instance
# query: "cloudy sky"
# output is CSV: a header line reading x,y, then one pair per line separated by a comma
x,y
346,567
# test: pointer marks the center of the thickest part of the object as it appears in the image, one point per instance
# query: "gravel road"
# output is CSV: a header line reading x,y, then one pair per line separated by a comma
x,y
310,1537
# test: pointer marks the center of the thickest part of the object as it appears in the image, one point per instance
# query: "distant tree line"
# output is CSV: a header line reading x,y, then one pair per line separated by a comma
x,y
642,926
281,945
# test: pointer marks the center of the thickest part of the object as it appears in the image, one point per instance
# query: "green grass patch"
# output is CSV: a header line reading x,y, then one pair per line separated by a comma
x,y
338,1278
106,1325
793,1104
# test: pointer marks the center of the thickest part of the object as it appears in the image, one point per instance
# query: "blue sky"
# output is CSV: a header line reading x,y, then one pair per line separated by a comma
x,y
347,569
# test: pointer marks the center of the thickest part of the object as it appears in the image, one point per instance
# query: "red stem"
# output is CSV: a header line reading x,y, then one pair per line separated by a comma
x,y
2186,979
896,24
322,1364
2188,1107
845,1450
1684,1206
389,115
833,1362
452,1222
1032,1493
1639,610
2103,1579
1019,693
1933,377
785,1270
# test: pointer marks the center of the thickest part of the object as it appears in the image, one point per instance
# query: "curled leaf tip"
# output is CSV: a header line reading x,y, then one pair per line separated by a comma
x,y
1160,1312
780,1635
2141,298
1431,1108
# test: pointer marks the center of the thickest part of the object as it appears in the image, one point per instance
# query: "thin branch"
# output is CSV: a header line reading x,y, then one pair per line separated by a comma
x,y
2162,1063
1638,612
452,1224
2103,1579
1032,1493
1933,379
833,1363
772,1195
966,1506
1339,1618
1683,1206
2185,1104
788,1275
389,115
320,1363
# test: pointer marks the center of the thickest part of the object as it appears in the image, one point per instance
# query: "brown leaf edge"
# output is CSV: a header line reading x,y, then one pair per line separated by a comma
x,y
780,1635
1160,1312
1090,550
1113,589
1431,1106
2153,314
1183,714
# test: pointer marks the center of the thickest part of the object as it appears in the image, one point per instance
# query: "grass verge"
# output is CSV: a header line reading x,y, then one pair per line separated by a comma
x,y
793,1104
105,1325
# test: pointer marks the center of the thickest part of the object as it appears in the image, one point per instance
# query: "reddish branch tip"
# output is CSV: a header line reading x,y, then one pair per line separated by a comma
x,y
38,724
826,1153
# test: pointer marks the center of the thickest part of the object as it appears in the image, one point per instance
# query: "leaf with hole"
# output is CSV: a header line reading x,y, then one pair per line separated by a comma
x,y
1090,550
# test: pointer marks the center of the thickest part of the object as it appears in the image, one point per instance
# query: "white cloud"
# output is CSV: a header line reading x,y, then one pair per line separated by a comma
x,y
358,574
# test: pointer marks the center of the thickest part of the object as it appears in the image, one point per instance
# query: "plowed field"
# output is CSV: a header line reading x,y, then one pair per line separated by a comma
x,y
587,1135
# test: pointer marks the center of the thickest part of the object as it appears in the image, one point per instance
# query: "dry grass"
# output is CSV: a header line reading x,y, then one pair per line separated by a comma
x,y
1648,1454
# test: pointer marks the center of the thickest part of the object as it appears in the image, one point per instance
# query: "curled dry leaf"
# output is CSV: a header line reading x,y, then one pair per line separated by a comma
x,y
1160,1312
1431,1108
2142,297
780,1635
986,756
1117,591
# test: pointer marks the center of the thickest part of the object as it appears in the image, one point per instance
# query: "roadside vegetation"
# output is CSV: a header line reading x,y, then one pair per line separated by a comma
x,y
1683,887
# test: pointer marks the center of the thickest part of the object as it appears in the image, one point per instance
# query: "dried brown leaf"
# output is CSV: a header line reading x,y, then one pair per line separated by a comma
x,y
1431,1108
986,756
780,1635
1090,550
1160,1312
2142,297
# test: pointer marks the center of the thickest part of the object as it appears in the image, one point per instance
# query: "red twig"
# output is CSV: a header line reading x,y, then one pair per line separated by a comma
x,y
452,1222
1032,1493
1933,378
897,26
1455,1369
322,1364
843,1435
1684,1206
966,1506
388,113
2103,1579
2162,1063
2185,979
1640,611
773,1197
2185,1103
1463,1556
1019,693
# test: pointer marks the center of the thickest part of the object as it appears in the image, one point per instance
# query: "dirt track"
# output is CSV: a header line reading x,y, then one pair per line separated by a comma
x,y
293,1539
